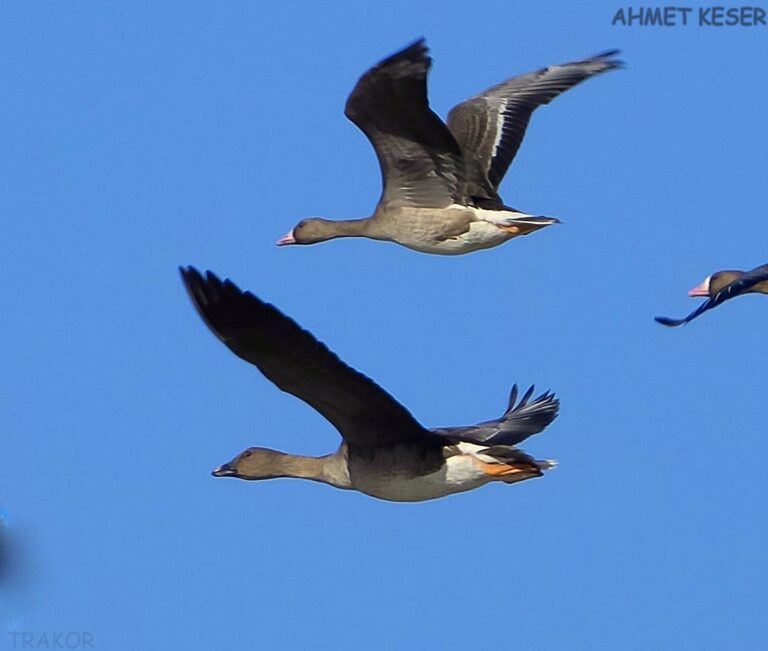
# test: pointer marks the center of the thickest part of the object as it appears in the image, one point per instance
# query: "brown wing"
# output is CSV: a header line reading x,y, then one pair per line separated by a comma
x,y
490,126
520,420
299,364
421,163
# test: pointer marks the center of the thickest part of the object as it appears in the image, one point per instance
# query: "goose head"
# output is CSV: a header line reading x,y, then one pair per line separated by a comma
x,y
253,463
309,231
713,283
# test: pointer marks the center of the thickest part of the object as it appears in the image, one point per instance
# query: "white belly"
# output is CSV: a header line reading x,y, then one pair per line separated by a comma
x,y
484,233
481,235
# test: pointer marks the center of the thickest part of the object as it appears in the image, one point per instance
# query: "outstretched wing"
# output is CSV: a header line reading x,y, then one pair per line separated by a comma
x,y
490,126
517,424
743,284
421,163
299,364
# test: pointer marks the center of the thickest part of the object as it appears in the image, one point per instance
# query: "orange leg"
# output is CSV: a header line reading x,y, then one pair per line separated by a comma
x,y
520,229
508,472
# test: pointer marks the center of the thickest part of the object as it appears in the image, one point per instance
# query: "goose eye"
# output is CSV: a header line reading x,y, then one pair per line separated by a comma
x,y
247,454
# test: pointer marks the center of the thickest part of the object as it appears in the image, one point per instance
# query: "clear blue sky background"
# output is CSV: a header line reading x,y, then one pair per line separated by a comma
x,y
137,136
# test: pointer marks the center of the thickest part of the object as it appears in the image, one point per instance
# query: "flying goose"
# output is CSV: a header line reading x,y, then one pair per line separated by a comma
x,y
441,181
384,452
721,286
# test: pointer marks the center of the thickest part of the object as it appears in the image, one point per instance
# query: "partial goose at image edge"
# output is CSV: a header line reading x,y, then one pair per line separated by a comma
x,y
719,287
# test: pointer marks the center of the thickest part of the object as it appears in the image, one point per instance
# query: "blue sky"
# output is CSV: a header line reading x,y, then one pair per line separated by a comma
x,y
140,136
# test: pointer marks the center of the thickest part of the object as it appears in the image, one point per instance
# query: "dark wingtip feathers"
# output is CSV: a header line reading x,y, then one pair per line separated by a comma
x,y
401,62
547,398
205,290
526,417
193,282
418,47
670,323
512,397
607,59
